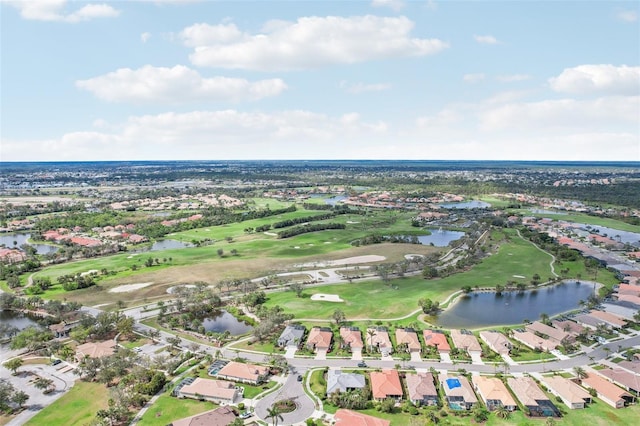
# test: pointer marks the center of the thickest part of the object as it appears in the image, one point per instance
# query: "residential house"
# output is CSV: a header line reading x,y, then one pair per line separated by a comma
x,y
350,338
608,318
63,328
622,378
95,349
633,366
344,382
245,373
458,392
573,396
494,393
436,338
533,341
532,397
571,327
378,339
552,334
408,337
422,389
292,335
320,339
607,391
466,341
344,417
218,391
496,341
386,384
221,416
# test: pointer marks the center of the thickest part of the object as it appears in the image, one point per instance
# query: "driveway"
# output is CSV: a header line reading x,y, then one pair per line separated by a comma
x,y
291,352
321,354
415,356
291,389
356,354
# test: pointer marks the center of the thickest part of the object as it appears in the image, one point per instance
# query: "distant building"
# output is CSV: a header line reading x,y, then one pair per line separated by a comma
x,y
246,373
552,334
218,391
95,349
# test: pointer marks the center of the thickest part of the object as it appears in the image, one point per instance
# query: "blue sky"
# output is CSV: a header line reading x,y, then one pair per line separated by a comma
x,y
381,79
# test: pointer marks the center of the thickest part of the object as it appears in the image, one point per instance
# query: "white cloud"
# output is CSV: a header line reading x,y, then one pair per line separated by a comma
x,y
550,115
395,5
627,15
310,42
473,78
486,39
228,134
513,77
144,37
175,85
357,88
605,78
55,10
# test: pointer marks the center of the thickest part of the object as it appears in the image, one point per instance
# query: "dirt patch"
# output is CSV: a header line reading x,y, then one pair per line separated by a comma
x,y
129,287
327,297
412,255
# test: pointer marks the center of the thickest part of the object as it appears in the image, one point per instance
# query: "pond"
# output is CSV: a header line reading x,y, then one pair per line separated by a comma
x,y
475,204
23,238
226,322
482,309
440,237
16,319
330,200
164,245
547,211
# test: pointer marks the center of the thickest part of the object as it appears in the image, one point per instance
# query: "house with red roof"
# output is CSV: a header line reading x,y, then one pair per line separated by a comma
x,y
386,384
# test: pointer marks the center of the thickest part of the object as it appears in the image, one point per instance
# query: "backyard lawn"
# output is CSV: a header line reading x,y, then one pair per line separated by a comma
x,y
167,409
77,407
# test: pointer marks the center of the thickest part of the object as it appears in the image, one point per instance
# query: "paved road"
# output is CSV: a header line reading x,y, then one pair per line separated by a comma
x,y
291,389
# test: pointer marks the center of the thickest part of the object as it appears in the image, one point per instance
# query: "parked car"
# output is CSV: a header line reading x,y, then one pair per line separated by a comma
x,y
362,364
299,378
56,362
246,415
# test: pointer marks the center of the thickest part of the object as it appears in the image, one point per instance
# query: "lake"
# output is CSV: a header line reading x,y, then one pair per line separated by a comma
x,y
475,204
225,321
167,245
482,309
632,238
23,238
440,237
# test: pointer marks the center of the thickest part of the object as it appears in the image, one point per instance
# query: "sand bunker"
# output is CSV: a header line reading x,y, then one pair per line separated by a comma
x,y
411,256
352,221
327,297
92,271
519,276
128,287
271,234
346,261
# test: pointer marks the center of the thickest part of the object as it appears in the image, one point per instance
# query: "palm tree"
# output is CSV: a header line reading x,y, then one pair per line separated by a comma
x,y
371,332
580,372
274,414
502,412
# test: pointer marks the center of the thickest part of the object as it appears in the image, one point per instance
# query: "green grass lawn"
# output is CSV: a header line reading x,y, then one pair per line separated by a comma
x,y
167,409
77,407
398,298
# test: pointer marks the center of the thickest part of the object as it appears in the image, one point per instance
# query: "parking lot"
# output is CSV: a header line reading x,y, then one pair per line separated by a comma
x,y
62,377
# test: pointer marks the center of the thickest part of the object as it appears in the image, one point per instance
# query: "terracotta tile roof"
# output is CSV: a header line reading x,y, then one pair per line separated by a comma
x,y
319,338
385,384
242,371
380,338
351,337
221,416
344,417
465,341
492,388
461,388
436,338
604,387
409,337
220,389
607,317
568,390
96,349
496,341
526,390
420,385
